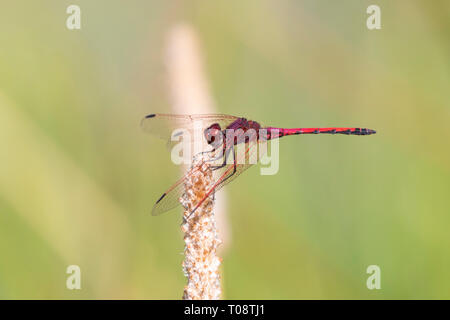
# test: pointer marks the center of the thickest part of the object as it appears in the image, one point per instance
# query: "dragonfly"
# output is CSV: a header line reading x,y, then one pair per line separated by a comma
x,y
215,139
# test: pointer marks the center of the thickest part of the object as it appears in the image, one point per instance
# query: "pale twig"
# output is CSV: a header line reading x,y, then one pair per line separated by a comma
x,y
190,95
201,264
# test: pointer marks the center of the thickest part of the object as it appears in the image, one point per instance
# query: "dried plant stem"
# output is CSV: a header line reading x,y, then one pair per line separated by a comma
x,y
201,264
190,94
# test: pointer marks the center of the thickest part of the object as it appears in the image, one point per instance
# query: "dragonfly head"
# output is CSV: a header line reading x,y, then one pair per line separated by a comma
x,y
213,134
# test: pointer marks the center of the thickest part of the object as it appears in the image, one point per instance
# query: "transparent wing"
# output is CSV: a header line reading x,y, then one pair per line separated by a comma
x,y
226,169
170,198
190,127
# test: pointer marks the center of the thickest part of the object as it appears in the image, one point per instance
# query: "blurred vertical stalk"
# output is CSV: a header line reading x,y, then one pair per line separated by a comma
x,y
201,264
190,95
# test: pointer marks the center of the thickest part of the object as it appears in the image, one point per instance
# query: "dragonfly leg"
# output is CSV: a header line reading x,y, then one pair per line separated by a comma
x,y
214,149
234,167
204,152
227,154
227,177
218,156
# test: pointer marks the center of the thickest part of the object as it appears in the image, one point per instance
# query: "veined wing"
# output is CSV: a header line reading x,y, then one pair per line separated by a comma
x,y
243,158
170,198
163,125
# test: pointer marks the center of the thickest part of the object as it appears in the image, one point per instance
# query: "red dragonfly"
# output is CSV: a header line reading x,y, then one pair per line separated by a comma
x,y
216,140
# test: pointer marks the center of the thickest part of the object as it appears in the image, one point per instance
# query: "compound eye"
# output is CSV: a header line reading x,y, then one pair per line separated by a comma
x,y
209,136
216,126
211,132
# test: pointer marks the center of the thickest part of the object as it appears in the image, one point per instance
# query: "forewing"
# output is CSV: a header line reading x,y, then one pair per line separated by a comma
x,y
164,125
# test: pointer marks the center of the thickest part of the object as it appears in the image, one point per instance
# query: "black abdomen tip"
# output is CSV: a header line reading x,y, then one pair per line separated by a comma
x,y
363,131
150,116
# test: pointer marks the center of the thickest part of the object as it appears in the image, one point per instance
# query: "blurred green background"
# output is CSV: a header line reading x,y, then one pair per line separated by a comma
x,y
78,176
